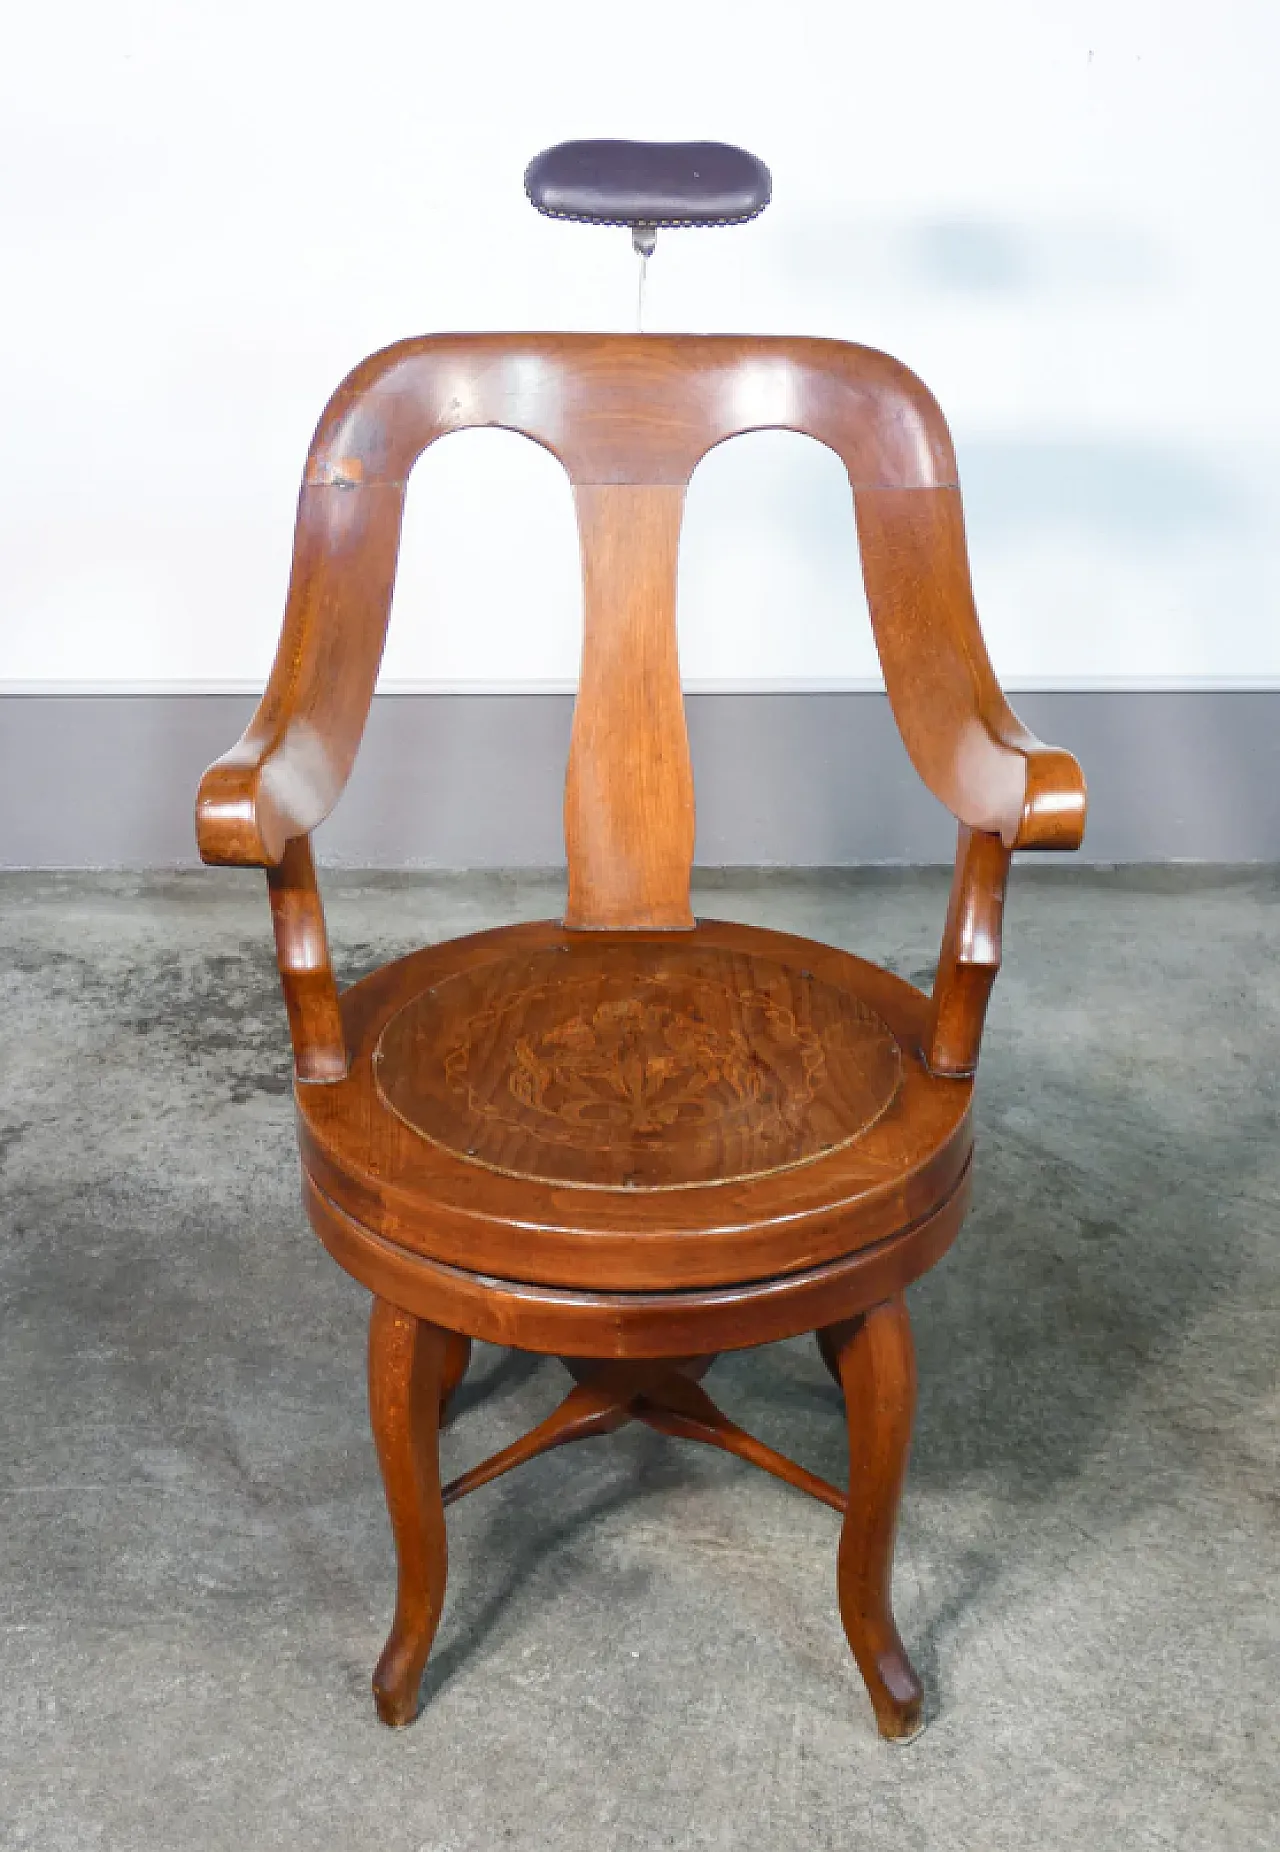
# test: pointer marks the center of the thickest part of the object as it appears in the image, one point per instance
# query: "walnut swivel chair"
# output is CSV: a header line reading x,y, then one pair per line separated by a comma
x,y
632,1139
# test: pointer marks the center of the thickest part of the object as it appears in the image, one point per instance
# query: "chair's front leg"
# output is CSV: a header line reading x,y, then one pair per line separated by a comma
x,y
876,1361
408,1361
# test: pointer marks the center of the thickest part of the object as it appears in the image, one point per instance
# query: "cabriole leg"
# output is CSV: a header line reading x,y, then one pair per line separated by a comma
x,y
876,1361
408,1363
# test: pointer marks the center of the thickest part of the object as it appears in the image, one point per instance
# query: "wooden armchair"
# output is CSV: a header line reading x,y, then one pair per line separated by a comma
x,y
633,1139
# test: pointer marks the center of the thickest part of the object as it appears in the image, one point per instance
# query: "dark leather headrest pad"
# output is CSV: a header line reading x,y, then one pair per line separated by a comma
x,y
648,182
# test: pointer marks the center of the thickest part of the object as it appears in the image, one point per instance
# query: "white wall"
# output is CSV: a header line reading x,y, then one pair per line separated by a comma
x,y
1062,213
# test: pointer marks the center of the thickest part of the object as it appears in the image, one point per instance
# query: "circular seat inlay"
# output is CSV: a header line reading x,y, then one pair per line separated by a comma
x,y
637,1065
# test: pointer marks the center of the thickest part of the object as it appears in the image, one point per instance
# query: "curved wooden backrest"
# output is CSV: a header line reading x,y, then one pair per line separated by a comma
x,y
629,417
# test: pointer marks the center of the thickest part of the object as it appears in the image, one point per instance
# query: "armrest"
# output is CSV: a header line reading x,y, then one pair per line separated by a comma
x,y
288,770
963,738
1006,790
258,804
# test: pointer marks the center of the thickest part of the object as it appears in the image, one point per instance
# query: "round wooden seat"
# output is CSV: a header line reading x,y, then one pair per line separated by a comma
x,y
640,1065
634,1112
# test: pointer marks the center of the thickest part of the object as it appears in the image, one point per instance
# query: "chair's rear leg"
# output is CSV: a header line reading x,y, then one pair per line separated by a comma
x,y
828,1352
876,1361
408,1360
456,1360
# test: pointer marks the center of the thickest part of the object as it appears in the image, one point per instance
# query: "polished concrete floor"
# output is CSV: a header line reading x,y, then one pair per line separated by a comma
x,y
641,1647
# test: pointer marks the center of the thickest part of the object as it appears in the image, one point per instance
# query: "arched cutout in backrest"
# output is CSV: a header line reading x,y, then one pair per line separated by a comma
x,y
770,571
488,585
629,417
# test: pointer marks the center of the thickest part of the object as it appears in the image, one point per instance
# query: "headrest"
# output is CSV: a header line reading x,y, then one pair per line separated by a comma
x,y
648,183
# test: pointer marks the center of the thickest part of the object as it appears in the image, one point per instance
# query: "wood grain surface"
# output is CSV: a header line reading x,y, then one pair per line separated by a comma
x,y
408,1358
628,800
638,1065
558,1322
435,1199
875,1355
636,412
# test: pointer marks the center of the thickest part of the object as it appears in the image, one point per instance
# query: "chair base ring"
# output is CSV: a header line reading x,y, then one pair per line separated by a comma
x,y
559,1322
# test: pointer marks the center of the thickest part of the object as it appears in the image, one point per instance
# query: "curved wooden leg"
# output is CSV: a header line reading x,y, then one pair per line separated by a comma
x,y
408,1359
827,1351
457,1357
877,1366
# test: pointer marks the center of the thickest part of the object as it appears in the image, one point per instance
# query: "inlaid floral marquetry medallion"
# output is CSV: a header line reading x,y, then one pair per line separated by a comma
x,y
640,1064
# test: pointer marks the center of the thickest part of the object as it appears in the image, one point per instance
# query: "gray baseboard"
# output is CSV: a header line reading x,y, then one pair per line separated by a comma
x,y
452,781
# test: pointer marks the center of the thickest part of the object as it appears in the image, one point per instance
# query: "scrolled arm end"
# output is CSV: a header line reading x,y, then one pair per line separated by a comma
x,y
231,827
239,824
259,797
1051,816
1055,801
